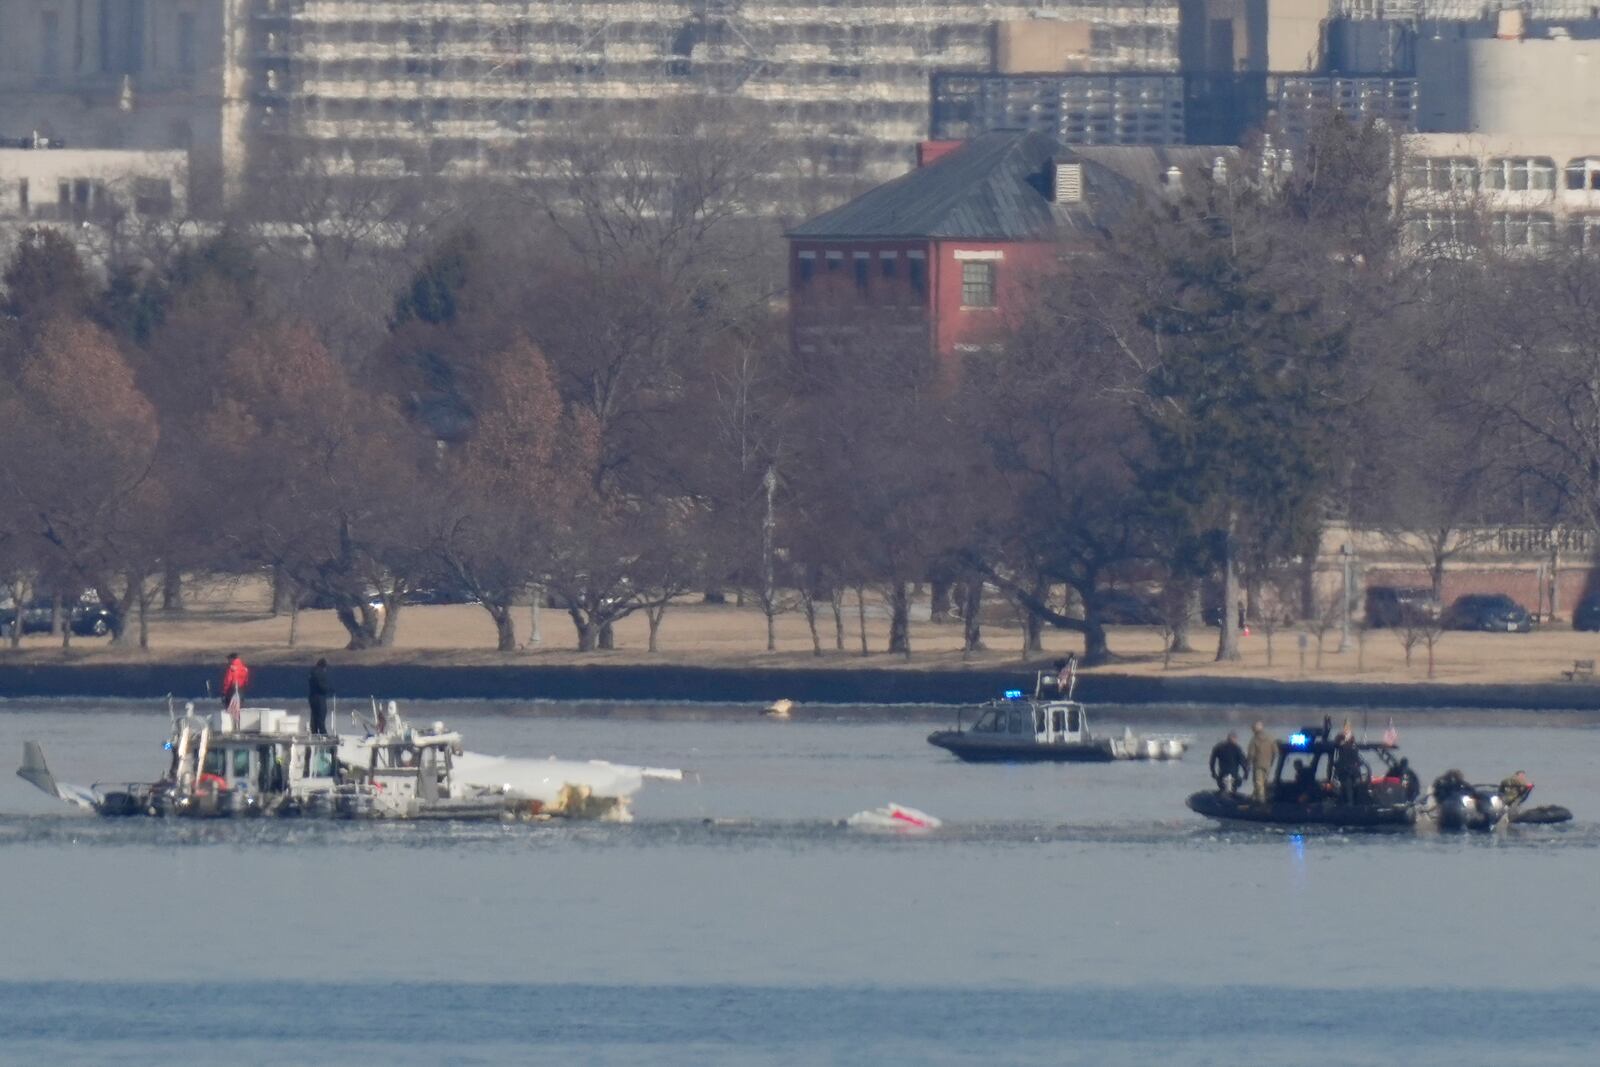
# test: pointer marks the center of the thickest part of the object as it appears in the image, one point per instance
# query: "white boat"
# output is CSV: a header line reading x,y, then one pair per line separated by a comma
x,y
260,761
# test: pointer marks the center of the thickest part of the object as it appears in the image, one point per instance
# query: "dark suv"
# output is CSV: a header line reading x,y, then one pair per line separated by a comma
x,y
1393,606
1494,612
86,619
1586,616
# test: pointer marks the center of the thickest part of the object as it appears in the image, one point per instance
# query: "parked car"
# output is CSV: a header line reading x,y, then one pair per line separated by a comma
x,y
1395,606
1494,612
85,618
439,594
1124,607
1586,616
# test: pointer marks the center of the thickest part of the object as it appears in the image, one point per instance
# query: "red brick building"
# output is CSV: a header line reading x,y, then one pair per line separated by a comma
x,y
948,252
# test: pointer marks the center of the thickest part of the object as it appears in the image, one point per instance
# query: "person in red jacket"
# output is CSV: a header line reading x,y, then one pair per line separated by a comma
x,y
234,679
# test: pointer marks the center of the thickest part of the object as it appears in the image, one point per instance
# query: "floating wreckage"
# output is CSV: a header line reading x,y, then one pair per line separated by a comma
x,y
261,761
779,709
894,817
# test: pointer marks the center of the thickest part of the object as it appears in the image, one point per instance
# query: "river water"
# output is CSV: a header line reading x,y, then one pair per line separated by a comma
x,y
1065,914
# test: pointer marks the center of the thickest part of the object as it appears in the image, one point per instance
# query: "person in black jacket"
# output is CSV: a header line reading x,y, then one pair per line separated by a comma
x,y
317,697
1227,764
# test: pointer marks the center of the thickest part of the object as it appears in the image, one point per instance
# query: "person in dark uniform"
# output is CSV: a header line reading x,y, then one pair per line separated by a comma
x,y
1227,764
317,697
1347,768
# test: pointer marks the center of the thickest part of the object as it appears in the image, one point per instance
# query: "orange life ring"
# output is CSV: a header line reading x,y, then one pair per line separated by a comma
x,y
217,782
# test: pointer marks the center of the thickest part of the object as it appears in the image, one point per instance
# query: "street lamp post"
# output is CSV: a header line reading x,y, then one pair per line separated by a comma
x,y
1345,556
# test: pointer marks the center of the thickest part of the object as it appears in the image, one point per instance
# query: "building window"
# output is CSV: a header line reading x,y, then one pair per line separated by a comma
x,y
806,269
152,196
889,264
863,269
1584,174
1453,174
1440,229
1521,174
49,46
186,39
1523,230
917,271
835,260
977,285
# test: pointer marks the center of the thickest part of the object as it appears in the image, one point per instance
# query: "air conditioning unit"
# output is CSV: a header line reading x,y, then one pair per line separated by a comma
x,y
1069,183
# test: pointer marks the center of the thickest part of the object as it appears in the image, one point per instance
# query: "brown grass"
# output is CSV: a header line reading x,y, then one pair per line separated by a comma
x,y
234,616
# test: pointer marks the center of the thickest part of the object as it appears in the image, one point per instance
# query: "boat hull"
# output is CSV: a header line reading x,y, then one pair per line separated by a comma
x,y
978,749
1227,807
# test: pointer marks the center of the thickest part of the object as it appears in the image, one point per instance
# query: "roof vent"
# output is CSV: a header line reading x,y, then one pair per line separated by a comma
x,y
1173,178
1219,170
1069,183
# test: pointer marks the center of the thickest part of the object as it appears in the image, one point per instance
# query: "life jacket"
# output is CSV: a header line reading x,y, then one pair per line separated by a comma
x,y
236,677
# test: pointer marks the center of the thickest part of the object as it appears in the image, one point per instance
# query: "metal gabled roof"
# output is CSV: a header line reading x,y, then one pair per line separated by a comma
x,y
995,187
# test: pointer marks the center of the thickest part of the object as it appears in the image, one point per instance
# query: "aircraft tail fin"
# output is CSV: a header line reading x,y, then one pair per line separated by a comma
x,y
35,770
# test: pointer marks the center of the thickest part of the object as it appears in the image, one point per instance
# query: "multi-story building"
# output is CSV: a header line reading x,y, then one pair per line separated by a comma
x,y
135,76
945,256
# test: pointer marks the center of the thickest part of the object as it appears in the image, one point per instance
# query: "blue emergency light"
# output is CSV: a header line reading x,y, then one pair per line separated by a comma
x,y
1013,694
1300,741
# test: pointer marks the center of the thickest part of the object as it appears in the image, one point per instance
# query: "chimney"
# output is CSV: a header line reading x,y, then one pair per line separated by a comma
x,y
1510,25
1068,185
933,151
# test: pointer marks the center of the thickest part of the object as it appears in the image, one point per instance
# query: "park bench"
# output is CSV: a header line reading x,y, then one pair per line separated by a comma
x,y
1582,670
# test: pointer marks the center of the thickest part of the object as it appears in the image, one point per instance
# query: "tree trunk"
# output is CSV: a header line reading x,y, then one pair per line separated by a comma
x,y
18,598
1189,619
171,589
809,602
283,592
654,615
391,621
505,626
1095,648
360,623
1035,625
119,622
861,618
585,628
899,620
144,620
836,602
768,609
56,626
1228,637
608,636
939,600
971,608
294,625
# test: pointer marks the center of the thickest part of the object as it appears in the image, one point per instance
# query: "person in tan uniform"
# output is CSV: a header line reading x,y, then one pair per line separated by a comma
x,y
1263,755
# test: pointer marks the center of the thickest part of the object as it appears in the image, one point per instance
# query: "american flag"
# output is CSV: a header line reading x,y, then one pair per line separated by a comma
x,y
1391,736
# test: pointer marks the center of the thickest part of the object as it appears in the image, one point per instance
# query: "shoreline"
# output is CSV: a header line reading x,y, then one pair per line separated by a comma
x,y
817,687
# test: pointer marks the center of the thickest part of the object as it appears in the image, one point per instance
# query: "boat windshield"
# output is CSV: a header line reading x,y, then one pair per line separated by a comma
x,y
992,721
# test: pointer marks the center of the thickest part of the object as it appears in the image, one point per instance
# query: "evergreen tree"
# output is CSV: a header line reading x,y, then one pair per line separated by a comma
x,y
1242,395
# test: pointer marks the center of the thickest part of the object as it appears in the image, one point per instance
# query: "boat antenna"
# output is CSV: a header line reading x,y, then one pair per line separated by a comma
x,y
1072,674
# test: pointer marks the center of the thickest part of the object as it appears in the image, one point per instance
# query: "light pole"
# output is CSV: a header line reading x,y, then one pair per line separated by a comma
x,y
1345,555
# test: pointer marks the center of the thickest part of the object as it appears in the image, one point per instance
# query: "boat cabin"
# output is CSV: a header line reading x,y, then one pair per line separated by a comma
x,y
1306,771
262,753
1047,722
408,763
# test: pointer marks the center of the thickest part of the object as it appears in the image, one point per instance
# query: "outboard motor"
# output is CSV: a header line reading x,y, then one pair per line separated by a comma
x,y
1463,806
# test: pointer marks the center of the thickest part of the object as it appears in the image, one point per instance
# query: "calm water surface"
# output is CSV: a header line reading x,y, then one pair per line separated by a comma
x,y
1064,914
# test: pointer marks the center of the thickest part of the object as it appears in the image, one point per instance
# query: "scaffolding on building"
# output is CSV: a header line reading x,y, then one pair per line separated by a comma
x,y
477,86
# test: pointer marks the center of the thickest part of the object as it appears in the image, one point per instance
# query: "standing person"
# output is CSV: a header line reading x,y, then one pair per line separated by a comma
x,y
1227,764
1263,753
234,679
1347,767
317,696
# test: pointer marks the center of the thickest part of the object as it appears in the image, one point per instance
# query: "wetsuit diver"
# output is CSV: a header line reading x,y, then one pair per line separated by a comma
x,y
1227,764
